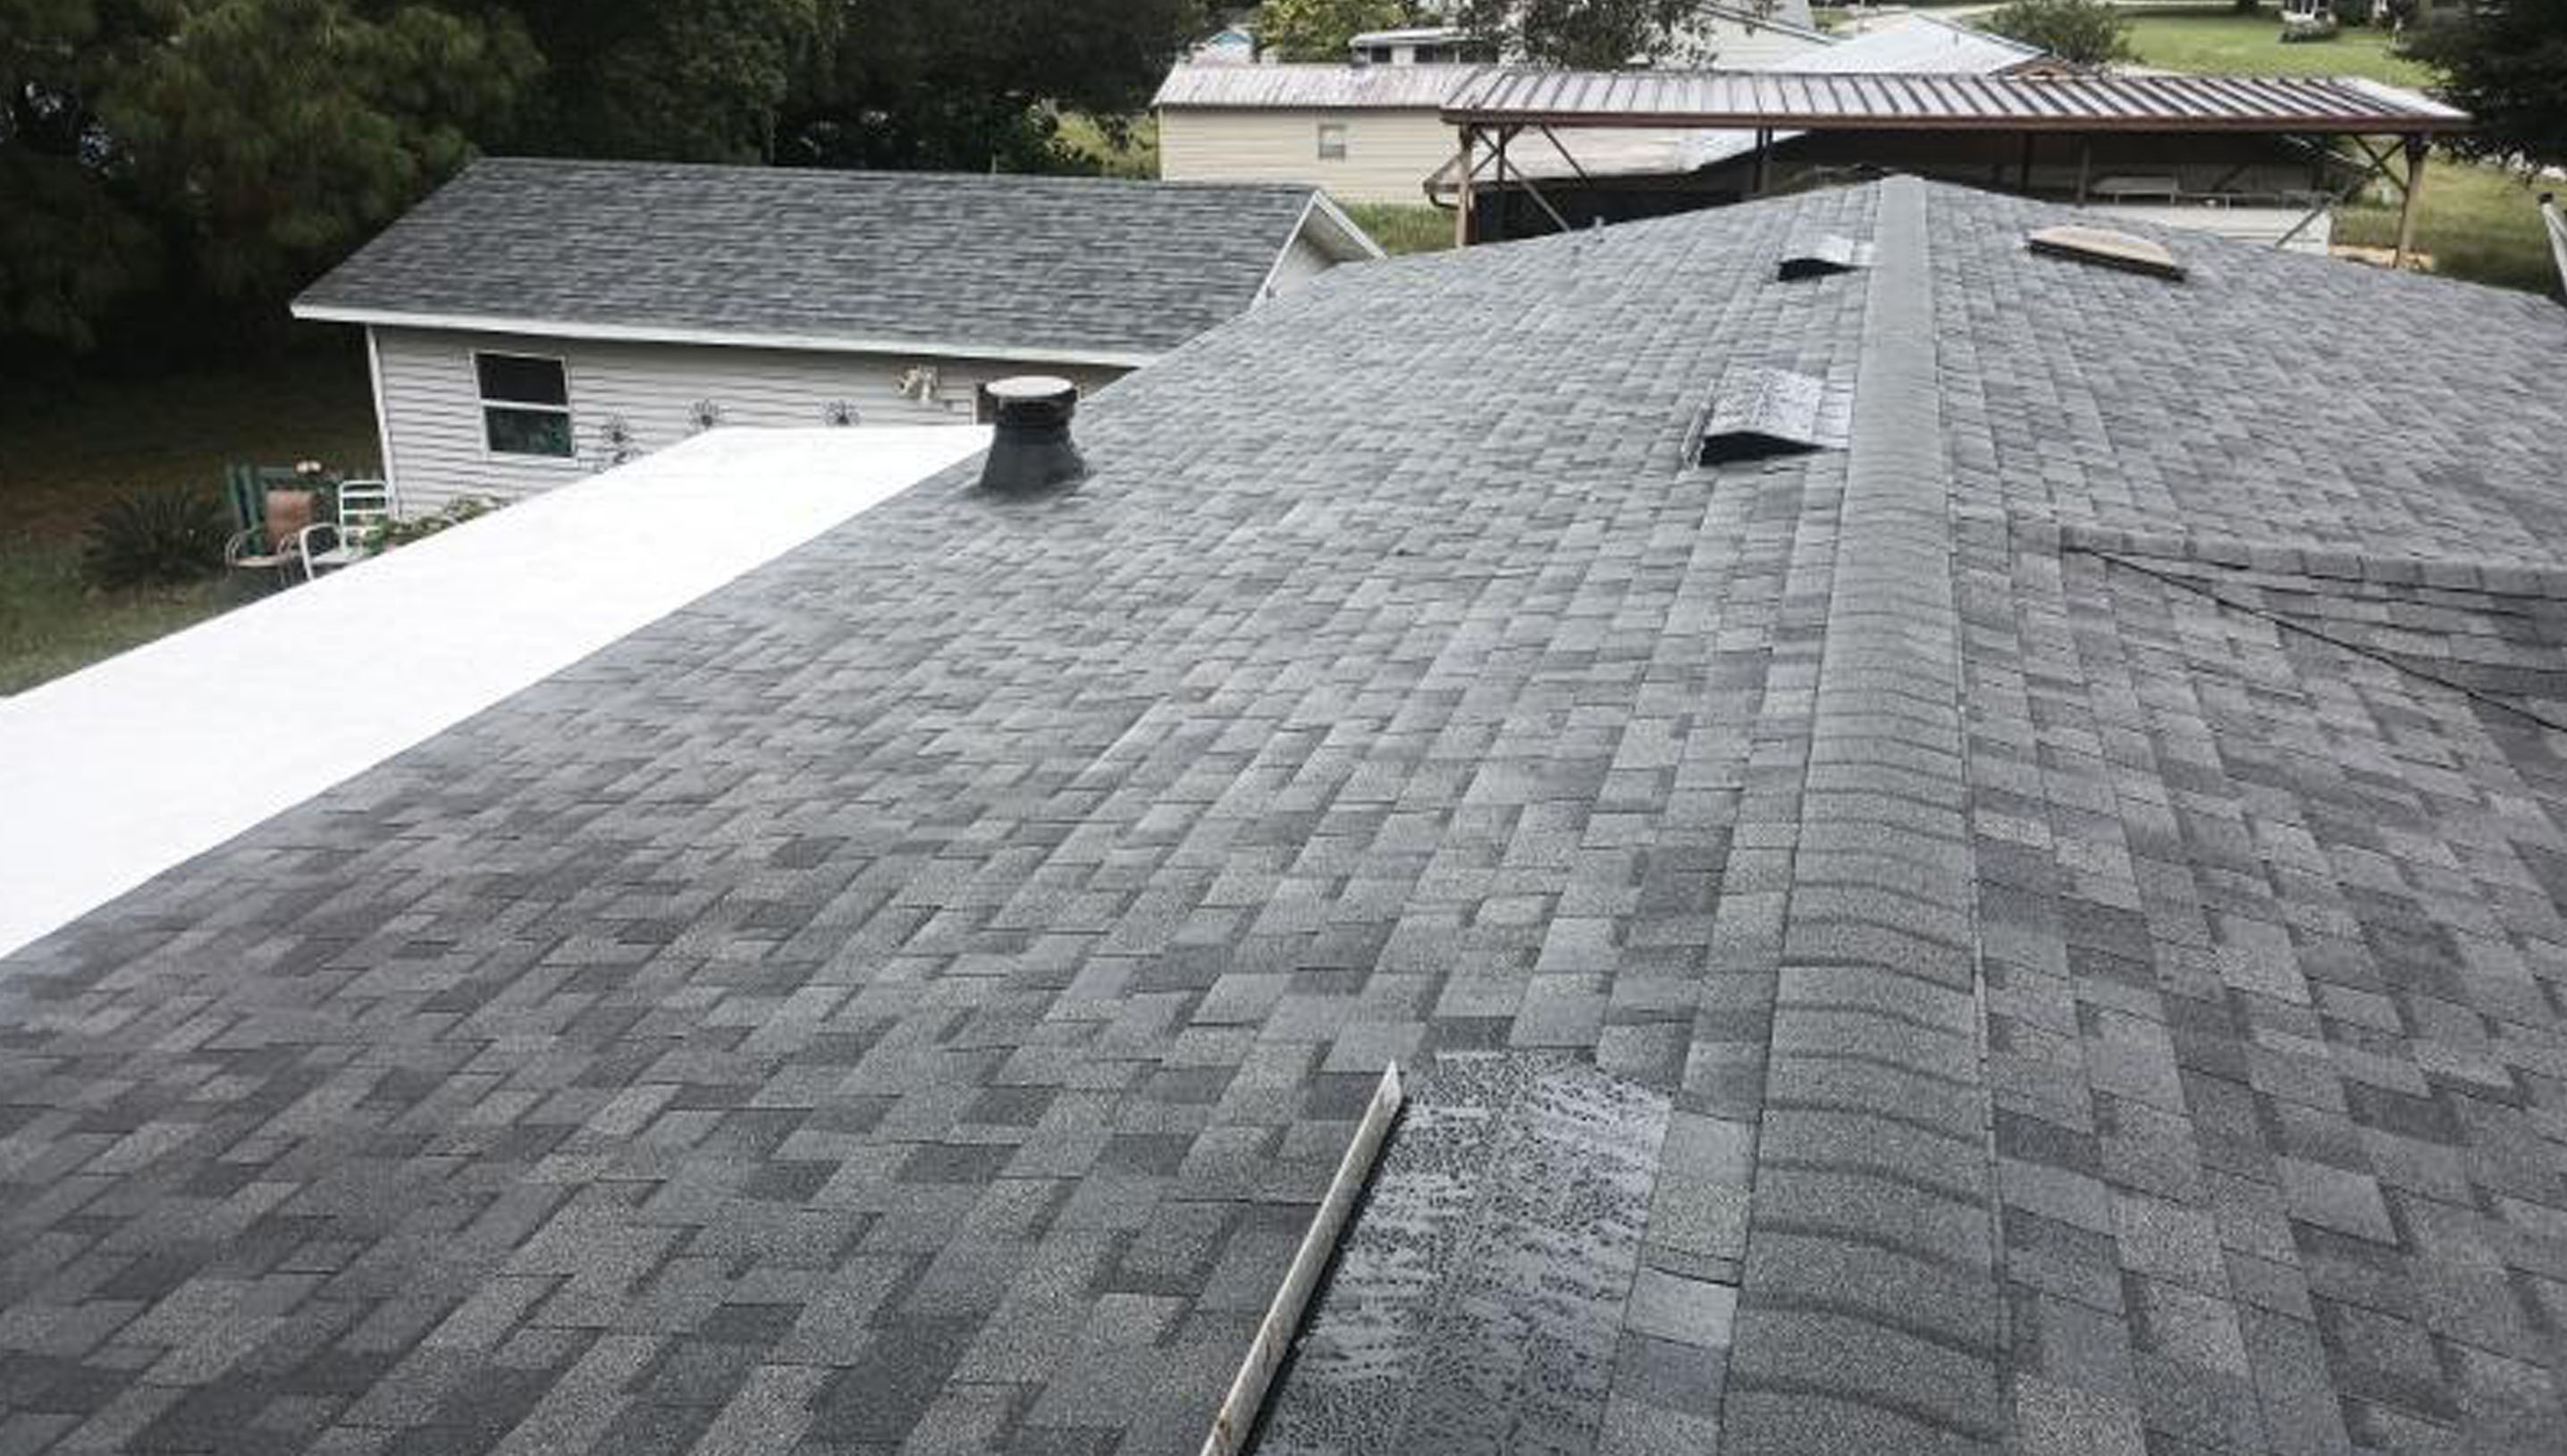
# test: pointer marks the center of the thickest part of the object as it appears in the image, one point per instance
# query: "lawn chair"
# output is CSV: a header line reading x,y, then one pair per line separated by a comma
x,y
275,544
364,509
2308,20
246,487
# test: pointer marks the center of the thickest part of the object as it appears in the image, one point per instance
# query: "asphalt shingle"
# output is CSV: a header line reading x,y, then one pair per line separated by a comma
x,y
1073,266
2101,953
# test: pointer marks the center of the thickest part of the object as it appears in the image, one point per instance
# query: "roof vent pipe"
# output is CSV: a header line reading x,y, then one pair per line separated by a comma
x,y
2556,223
1031,450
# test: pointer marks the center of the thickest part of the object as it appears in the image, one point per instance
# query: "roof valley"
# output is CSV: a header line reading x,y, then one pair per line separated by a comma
x,y
1871,1243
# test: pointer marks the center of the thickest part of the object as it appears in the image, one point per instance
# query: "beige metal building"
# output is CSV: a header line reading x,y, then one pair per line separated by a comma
x,y
1366,134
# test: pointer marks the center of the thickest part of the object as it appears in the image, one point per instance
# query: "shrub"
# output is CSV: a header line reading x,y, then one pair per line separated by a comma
x,y
154,538
2080,32
419,527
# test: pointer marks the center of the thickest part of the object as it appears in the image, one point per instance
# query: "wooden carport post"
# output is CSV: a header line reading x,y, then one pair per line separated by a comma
x,y
2417,147
1462,192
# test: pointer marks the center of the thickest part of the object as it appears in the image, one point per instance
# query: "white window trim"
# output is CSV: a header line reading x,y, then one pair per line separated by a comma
x,y
483,405
1321,142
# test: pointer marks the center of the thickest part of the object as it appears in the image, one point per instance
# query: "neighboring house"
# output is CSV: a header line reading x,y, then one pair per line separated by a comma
x,y
1429,45
1748,36
1366,134
1744,35
535,321
1923,45
2030,920
1232,45
1371,132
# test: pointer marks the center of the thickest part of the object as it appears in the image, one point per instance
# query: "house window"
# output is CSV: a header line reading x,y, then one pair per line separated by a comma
x,y
1333,142
525,405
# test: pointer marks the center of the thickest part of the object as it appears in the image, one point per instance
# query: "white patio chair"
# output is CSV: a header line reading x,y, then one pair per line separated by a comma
x,y
365,506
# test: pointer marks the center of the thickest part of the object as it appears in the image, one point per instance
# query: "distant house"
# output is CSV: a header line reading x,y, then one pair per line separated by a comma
x,y
1232,45
1749,37
1745,35
1373,130
1920,43
1425,45
536,321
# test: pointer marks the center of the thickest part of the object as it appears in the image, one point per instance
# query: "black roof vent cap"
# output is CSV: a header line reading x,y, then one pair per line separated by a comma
x,y
1821,257
1030,449
1759,413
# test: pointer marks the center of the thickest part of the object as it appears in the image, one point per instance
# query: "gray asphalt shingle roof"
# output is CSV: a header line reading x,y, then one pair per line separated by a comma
x,y
1075,265
2076,877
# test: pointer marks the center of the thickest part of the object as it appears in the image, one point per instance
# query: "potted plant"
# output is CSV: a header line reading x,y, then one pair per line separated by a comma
x,y
292,505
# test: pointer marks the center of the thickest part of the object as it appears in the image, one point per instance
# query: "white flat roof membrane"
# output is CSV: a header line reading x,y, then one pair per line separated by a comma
x,y
128,767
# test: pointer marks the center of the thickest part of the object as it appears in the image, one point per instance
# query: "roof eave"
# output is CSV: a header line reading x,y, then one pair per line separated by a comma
x,y
1334,219
324,313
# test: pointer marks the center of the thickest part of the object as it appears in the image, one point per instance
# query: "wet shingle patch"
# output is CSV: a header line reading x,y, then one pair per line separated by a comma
x,y
1487,1292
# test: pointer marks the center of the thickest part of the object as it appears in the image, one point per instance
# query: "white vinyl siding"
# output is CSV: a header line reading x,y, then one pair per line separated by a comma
x,y
433,425
1389,153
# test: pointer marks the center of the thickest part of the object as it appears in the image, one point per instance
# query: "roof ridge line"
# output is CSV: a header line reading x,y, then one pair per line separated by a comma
x,y
1893,631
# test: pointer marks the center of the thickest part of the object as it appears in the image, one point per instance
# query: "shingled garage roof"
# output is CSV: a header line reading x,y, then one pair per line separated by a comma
x,y
1070,267
2080,861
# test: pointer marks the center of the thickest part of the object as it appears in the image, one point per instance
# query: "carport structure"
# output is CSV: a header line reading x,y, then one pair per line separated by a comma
x,y
1499,104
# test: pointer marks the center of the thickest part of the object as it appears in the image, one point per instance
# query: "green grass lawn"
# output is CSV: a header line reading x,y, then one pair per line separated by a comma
x,y
66,452
2222,41
50,623
2474,223
1404,227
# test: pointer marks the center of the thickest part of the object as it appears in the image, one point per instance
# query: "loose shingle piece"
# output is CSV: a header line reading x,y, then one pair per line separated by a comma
x,y
2042,930
2105,247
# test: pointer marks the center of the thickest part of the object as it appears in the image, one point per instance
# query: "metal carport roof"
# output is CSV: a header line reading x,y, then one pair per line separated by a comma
x,y
1811,101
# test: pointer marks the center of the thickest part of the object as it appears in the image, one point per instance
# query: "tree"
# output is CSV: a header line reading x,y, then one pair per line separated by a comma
x,y
2505,65
670,80
191,159
1318,29
2080,32
978,83
176,165
1594,35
